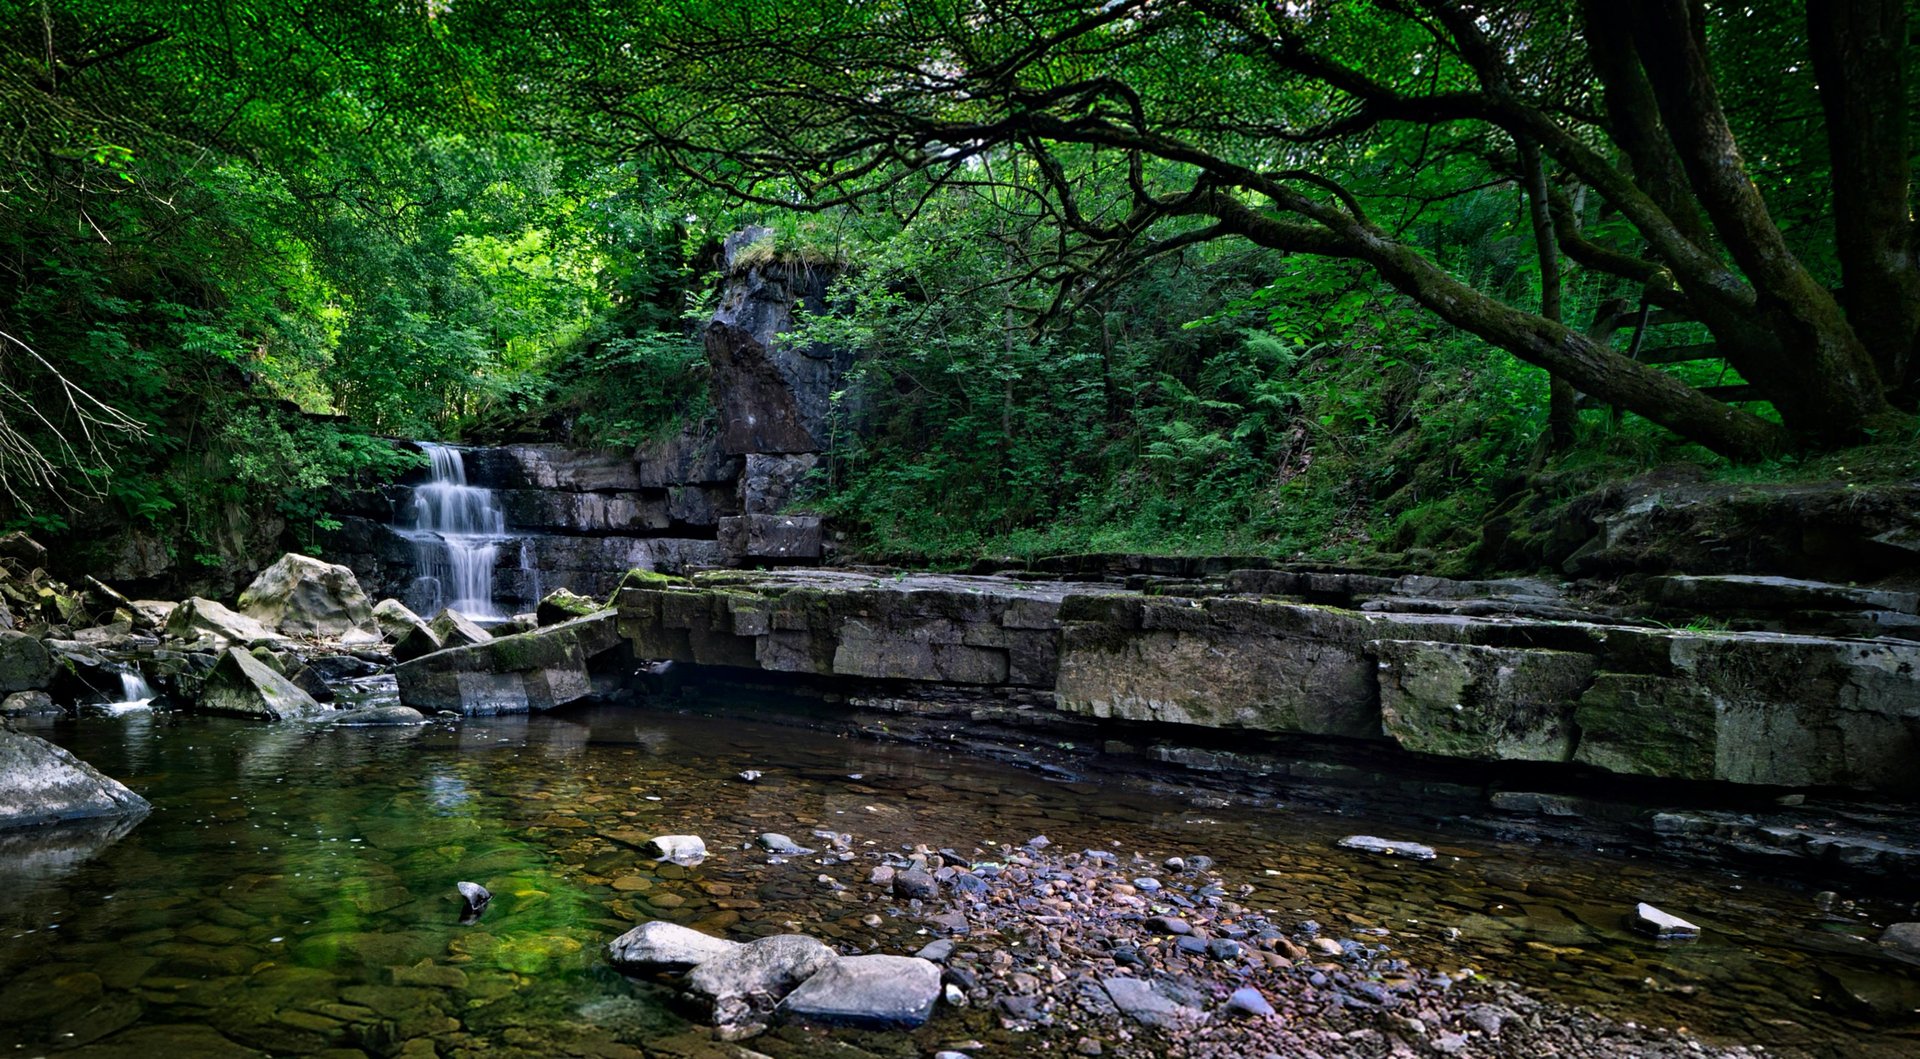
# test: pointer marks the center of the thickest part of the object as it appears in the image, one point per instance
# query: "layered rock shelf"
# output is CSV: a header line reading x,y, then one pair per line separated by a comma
x,y
1477,671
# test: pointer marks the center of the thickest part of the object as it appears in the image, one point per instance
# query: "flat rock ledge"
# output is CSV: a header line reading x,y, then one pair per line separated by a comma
x,y
1451,669
41,783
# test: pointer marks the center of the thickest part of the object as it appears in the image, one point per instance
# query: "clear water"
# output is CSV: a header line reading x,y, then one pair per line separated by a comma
x,y
457,531
293,889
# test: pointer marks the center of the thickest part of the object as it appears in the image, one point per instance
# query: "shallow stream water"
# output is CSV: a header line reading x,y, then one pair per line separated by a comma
x,y
292,890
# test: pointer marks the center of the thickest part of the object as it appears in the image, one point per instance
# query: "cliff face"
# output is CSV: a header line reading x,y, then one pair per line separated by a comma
x,y
774,395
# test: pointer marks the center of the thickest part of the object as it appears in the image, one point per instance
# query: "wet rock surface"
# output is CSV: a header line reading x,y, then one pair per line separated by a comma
x,y
41,783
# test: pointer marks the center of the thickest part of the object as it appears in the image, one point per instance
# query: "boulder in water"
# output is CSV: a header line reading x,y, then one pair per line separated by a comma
x,y
870,992
395,620
197,618
302,596
28,704
243,686
25,664
307,679
749,980
41,783
664,946
527,671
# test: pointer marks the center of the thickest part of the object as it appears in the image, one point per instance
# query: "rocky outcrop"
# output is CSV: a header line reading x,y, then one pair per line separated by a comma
x,y
527,671
301,596
212,622
1748,707
41,783
244,686
774,395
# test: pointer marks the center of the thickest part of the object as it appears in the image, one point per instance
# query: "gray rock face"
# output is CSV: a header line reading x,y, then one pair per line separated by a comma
x,y
41,783
759,972
243,686
205,619
875,992
664,946
1483,703
783,538
535,670
301,596
25,664
774,394
1747,707
769,481
1228,663
691,457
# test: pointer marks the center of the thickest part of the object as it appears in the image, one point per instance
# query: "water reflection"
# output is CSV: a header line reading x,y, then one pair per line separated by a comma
x,y
294,889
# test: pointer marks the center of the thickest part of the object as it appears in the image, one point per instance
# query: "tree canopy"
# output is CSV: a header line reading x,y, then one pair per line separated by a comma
x,y
1094,245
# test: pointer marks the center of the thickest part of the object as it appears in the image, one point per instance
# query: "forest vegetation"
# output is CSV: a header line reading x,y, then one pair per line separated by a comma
x,y
1322,279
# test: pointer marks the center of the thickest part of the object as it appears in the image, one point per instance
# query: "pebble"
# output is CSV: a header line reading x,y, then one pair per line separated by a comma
x,y
1248,1002
915,884
1169,925
751,774
1328,947
937,950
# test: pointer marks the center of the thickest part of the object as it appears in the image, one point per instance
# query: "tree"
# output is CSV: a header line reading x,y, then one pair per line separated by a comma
x,y
1308,128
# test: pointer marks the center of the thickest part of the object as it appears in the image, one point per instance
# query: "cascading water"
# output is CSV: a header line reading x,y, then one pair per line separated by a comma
x,y
135,693
456,530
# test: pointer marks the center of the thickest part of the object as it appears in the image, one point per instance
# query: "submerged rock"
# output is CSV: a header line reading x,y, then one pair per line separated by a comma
x,y
243,686
377,716
1370,844
664,946
1903,937
41,783
878,992
302,596
773,842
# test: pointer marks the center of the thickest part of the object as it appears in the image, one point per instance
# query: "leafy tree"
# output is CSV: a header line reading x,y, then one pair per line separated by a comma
x,y
1330,129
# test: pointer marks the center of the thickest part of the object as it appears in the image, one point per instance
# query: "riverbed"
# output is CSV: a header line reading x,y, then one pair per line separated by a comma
x,y
293,890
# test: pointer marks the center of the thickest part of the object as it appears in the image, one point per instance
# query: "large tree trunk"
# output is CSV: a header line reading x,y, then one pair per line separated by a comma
x,y
1822,380
1562,409
1859,51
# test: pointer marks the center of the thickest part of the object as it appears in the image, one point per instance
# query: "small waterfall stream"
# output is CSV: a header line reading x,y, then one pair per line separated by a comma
x,y
457,530
135,693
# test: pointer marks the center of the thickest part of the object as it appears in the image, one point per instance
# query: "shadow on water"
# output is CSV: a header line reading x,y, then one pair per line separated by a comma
x,y
293,889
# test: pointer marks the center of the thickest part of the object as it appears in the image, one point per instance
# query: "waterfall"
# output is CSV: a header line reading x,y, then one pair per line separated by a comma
x,y
135,692
456,530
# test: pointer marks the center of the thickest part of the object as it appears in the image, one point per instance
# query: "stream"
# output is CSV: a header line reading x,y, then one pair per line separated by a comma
x,y
292,890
